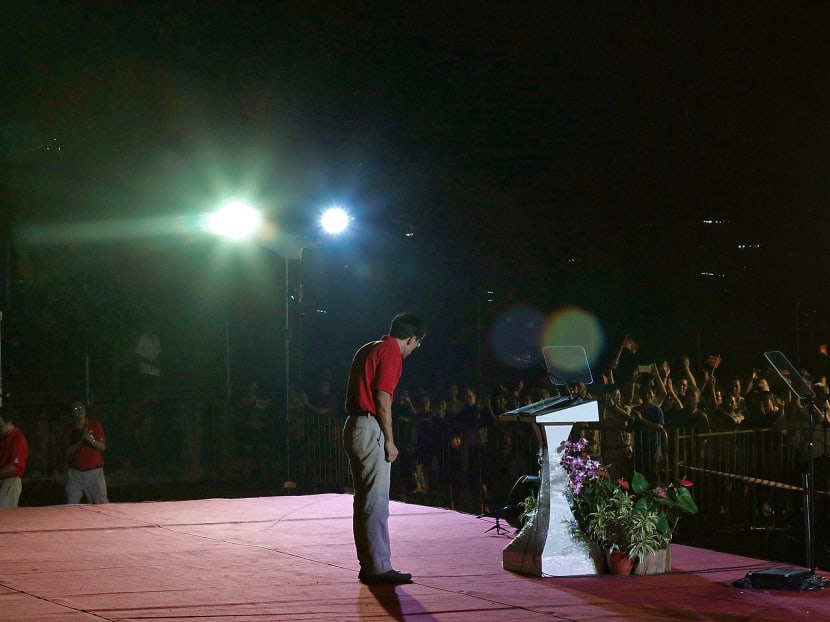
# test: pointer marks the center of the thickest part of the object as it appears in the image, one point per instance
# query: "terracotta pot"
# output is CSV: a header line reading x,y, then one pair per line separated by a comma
x,y
599,557
619,562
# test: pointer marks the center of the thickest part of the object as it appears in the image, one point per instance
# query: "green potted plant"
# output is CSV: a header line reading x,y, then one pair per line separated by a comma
x,y
618,526
635,519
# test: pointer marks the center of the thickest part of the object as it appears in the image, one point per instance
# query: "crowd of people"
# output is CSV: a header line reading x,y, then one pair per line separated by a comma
x,y
454,445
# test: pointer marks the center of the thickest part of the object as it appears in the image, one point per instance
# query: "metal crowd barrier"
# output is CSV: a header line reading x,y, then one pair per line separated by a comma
x,y
742,478
751,478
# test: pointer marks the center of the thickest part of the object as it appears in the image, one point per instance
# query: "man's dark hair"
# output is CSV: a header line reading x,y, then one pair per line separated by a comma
x,y
9,415
406,325
644,390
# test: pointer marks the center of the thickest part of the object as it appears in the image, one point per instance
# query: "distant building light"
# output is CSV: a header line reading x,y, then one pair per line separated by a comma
x,y
715,221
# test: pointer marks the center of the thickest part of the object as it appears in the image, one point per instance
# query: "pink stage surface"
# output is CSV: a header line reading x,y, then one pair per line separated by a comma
x,y
292,558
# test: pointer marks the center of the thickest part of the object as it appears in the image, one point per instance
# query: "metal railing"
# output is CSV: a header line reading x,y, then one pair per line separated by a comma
x,y
750,478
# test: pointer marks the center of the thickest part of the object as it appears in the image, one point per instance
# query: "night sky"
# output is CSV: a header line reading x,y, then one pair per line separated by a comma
x,y
557,153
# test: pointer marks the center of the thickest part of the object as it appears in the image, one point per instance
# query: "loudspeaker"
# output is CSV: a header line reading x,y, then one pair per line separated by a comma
x,y
778,578
522,489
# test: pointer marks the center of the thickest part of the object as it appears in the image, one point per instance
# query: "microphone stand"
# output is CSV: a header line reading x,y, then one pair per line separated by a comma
x,y
812,582
808,481
810,490
782,578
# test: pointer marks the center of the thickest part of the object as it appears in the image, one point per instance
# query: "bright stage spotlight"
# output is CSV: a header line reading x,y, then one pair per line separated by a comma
x,y
334,220
235,219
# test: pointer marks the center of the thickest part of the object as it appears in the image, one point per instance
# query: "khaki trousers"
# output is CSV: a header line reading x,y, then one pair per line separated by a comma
x,y
363,442
10,488
91,483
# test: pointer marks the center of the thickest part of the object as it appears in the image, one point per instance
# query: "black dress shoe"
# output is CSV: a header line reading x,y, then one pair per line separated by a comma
x,y
390,577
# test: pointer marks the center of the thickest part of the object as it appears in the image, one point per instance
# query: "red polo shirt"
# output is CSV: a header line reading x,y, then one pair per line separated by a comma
x,y
14,449
376,366
85,457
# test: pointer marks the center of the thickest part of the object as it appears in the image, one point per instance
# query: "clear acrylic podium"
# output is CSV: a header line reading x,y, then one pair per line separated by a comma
x,y
549,545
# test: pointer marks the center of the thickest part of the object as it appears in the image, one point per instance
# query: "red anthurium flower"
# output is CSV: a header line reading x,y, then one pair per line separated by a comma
x,y
624,484
660,492
685,483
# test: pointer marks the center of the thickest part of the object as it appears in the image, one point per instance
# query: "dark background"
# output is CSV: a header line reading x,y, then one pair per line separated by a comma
x,y
661,167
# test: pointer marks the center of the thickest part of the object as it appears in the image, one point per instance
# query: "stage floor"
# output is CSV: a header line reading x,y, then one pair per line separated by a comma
x,y
292,558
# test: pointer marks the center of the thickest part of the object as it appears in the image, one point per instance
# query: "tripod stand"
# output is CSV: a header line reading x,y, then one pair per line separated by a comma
x,y
498,514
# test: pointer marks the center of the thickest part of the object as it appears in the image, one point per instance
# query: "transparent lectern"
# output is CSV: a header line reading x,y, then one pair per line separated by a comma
x,y
549,544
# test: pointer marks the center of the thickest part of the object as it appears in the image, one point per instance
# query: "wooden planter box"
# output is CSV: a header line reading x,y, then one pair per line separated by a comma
x,y
658,562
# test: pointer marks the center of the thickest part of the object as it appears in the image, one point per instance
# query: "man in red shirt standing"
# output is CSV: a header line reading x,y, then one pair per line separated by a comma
x,y
84,443
370,444
14,451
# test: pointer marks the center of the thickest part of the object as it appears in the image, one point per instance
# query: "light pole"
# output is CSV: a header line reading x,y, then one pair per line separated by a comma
x,y
238,220
333,221
289,247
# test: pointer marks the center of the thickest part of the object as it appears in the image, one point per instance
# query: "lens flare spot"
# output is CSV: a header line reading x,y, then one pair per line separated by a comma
x,y
572,326
363,270
515,337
